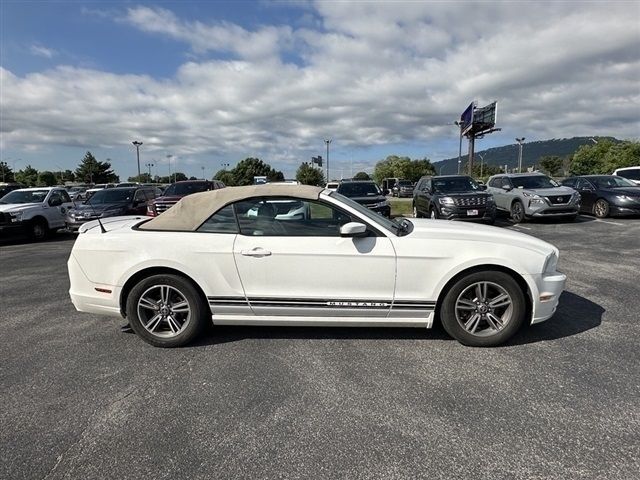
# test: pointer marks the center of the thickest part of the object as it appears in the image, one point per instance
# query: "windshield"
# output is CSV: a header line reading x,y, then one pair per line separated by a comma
x,y
370,214
183,189
24,196
633,174
610,181
364,189
455,184
112,195
533,182
405,183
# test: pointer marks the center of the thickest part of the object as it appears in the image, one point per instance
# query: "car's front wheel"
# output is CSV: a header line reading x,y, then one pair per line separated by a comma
x,y
38,229
483,309
166,311
517,212
601,208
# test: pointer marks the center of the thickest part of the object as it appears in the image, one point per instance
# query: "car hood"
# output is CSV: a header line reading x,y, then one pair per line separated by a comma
x,y
101,207
472,193
369,199
170,198
548,191
15,207
447,230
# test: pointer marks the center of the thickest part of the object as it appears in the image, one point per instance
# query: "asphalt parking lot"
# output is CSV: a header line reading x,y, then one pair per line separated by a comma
x,y
560,401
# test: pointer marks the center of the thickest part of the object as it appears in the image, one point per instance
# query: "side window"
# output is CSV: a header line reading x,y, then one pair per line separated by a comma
x,y
494,182
289,217
223,221
419,185
571,182
427,185
582,184
65,196
55,199
139,196
505,182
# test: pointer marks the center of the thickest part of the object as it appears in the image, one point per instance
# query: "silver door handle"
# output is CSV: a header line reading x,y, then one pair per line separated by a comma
x,y
256,252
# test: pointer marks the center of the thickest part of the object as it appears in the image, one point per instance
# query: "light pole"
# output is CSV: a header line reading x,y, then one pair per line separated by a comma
x,y
520,141
149,165
328,141
169,158
137,144
481,162
459,124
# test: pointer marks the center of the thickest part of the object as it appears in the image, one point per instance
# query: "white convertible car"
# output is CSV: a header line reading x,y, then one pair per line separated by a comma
x,y
235,256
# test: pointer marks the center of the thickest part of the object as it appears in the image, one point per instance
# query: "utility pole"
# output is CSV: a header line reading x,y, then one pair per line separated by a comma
x,y
481,163
328,141
137,144
169,158
520,142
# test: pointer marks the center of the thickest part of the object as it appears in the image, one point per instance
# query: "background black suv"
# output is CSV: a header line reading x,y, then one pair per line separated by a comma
x,y
366,193
451,197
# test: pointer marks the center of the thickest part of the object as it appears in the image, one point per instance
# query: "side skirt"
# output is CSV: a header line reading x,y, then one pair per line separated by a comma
x,y
281,321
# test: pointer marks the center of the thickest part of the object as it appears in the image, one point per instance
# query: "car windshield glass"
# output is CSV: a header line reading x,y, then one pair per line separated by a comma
x,y
183,189
534,181
364,189
24,196
112,195
370,214
611,181
633,174
405,183
455,184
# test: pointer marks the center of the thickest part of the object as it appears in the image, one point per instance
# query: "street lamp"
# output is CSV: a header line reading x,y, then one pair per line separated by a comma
x,y
169,157
328,141
149,165
520,141
137,145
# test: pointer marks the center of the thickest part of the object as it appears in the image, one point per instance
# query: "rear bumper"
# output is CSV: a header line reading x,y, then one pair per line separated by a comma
x,y
86,298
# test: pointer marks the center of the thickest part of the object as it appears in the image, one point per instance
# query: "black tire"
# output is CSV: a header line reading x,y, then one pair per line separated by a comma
x,y
38,229
601,208
416,212
192,327
517,212
487,337
433,213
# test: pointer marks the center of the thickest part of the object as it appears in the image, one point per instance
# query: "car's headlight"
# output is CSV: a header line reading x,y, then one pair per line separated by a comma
x,y
16,216
447,201
531,195
551,263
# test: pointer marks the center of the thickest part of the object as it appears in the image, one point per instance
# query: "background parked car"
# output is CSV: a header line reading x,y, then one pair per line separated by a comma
x,y
110,202
604,195
8,187
332,185
178,190
34,211
453,197
630,173
367,193
389,183
526,195
402,188
77,193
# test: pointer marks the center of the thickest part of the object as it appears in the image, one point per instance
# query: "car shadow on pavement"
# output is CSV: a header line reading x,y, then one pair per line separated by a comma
x,y
575,314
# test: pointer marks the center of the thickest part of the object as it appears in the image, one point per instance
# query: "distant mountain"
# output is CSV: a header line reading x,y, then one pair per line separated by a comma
x,y
508,154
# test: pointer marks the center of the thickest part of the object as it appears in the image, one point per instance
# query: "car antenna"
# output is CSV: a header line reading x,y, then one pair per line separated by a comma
x,y
102,229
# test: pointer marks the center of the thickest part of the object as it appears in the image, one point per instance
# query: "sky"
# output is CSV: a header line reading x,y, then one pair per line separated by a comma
x,y
213,82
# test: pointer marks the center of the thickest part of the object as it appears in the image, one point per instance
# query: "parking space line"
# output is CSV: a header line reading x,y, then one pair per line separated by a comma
x,y
611,223
520,226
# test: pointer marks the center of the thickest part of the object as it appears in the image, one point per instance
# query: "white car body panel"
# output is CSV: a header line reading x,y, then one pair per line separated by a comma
x,y
390,280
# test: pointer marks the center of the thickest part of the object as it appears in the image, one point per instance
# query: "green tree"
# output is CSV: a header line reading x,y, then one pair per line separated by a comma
x,y
248,168
47,179
28,176
402,167
361,176
620,155
6,174
91,170
226,177
551,165
590,159
142,178
307,174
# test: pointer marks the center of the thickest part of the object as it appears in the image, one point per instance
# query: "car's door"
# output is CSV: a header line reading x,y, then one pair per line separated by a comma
x,y
587,194
422,197
292,261
503,196
55,208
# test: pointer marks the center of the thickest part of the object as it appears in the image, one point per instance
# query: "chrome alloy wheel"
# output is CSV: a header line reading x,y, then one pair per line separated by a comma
x,y
484,308
164,311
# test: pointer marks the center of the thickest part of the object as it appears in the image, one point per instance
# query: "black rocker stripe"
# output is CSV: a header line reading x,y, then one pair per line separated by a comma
x,y
322,303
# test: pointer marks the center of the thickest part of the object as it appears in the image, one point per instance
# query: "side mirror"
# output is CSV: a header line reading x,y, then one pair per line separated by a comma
x,y
353,229
506,188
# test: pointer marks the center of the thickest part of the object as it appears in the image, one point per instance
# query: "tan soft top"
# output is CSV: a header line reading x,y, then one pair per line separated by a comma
x,y
192,211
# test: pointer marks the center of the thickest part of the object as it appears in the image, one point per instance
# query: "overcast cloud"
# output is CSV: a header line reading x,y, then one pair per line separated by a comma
x,y
364,73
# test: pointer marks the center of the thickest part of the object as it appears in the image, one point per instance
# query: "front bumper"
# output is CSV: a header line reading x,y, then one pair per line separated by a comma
x,y
627,210
74,224
549,287
545,210
484,214
384,211
13,229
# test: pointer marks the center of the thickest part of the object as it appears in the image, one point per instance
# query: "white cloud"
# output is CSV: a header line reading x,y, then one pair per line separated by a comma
x,y
373,74
41,51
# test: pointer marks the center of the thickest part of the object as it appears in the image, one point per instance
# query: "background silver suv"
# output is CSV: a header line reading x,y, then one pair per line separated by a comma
x,y
533,195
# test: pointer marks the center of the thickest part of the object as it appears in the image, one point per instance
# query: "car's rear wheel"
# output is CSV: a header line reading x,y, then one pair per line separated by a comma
x,y
166,311
38,229
416,212
601,208
517,212
433,213
483,309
